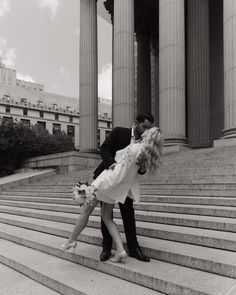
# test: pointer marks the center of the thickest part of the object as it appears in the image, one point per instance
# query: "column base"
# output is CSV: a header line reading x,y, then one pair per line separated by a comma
x,y
225,142
228,138
176,141
174,149
88,150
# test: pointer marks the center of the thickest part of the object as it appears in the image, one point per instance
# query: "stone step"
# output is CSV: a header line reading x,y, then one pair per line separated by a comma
x,y
179,192
14,283
157,275
151,189
62,275
201,237
196,221
207,210
182,186
67,199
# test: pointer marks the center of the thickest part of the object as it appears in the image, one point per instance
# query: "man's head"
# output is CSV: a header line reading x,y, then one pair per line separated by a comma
x,y
142,122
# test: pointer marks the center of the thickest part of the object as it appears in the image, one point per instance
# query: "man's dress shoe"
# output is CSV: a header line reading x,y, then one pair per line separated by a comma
x,y
105,255
137,253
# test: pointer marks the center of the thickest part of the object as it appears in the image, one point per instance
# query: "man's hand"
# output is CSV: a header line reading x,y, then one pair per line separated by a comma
x,y
141,161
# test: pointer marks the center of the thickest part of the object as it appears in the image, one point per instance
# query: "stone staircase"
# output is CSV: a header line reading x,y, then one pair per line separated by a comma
x,y
186,223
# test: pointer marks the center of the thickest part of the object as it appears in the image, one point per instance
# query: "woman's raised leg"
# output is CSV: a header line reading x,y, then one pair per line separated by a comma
x,y
80,224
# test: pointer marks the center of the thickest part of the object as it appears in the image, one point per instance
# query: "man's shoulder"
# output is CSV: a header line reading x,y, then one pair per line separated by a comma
x,y
121,129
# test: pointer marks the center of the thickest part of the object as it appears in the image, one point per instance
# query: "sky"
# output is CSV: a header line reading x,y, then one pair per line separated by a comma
x,y
40,39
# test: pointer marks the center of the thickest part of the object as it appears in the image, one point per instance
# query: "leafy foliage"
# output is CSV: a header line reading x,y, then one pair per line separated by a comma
x,y
19,141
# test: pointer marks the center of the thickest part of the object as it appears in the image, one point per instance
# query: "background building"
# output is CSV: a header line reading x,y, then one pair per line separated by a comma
x,y
182,68
29,103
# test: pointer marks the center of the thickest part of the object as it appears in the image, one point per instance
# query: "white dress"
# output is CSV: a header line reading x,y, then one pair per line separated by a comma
x,y
115,185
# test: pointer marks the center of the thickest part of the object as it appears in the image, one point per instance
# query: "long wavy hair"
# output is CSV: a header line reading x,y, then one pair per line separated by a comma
x,y
153,140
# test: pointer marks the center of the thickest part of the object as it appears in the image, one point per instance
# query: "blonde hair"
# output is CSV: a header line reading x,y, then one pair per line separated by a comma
x,y
153,140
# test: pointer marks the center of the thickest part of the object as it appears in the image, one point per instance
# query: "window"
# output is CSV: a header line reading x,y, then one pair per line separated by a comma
x,y
54,106
42,124
56,128
41,114
71,130
57,117
25,112
68,108
8,109
25,122
7,119
23,100
6,97
71,119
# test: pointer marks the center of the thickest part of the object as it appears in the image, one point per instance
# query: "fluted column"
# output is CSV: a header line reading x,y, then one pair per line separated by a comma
x,y
172,71
88,76
123,58
143,74
155,80
230,68
198,74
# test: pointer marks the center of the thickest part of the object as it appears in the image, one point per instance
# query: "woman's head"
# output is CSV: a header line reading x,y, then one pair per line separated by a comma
x,y
153,140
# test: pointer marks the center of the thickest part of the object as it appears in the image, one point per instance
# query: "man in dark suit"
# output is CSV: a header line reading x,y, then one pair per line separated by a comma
x,y
118,139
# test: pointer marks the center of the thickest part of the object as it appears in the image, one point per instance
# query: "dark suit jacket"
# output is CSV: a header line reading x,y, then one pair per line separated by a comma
x,y
118,139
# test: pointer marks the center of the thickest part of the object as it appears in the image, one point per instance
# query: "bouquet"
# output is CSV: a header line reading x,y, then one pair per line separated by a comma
x,y
83,193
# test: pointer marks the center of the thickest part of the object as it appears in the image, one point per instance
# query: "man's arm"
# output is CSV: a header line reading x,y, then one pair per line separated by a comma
x,y
107,150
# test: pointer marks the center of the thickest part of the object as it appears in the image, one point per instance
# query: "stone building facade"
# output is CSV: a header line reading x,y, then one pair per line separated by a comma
x,y
183,69
28,102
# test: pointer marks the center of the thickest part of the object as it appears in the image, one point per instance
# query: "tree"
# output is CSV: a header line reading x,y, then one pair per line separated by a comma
x,y
19,141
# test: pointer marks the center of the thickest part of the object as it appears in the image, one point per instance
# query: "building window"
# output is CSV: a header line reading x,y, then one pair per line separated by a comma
x,y
42,124
68,108
6,97
23,100
54,106
8,109
71,119
39,103
25,122
71,130
56,128
7,119
25,112
41,114
57,117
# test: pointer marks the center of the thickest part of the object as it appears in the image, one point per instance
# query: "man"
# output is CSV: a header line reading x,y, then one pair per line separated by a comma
x,y
118,139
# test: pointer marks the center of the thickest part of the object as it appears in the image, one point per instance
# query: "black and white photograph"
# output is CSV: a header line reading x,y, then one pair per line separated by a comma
x,y
118,147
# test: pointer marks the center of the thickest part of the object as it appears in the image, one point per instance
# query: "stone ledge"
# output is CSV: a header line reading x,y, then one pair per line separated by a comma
x,y
65,162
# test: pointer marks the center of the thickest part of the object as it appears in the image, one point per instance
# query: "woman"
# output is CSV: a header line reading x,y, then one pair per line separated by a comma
x,y
115,185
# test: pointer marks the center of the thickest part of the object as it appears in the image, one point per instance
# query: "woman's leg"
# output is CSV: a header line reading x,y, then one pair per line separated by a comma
x,y
111,226
82,221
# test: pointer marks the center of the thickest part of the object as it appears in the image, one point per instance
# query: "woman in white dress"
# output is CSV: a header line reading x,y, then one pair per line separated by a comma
x,y
114,185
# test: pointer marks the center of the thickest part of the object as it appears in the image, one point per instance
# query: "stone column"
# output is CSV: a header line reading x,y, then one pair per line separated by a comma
x,y
230,68
172,71
143,73
123,67
155,80
198,73
88,93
